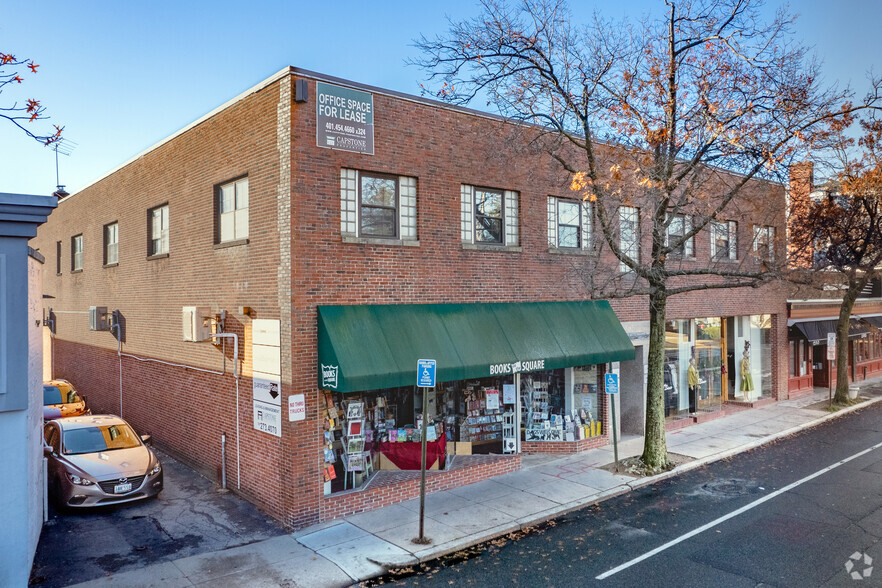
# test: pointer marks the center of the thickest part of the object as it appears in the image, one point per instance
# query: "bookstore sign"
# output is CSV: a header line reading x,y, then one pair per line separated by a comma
x,y
344,119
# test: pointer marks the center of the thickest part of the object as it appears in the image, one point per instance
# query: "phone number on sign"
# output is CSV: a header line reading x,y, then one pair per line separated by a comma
x,y
349,130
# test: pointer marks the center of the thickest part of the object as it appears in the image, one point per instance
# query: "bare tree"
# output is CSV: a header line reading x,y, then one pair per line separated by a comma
x,y
836,228
671,122
12,71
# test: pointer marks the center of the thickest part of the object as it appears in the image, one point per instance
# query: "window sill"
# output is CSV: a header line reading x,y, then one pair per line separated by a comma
x,y
569,251
111,264
380,241
76,271
157,256
235,243
483,247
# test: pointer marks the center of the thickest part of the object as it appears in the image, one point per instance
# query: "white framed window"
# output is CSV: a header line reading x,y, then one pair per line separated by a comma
x,y
232,208
76,253
158,219
377,205
569,223
764,242
677,227
489,216
724,240
629,234
111,243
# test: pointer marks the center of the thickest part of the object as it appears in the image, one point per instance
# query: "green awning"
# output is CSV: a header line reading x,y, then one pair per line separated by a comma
x,y
371,347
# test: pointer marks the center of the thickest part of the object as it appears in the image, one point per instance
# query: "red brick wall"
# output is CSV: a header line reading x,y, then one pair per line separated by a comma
x,y
341,505
187,410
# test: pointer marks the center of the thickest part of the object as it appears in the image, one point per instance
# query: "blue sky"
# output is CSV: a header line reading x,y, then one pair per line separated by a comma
x,y
121,76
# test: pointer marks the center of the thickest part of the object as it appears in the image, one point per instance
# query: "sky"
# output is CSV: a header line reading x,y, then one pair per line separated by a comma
x,y
121,76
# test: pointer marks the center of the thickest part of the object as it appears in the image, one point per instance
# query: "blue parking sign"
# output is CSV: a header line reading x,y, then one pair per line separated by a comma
x,y
612,383
425,373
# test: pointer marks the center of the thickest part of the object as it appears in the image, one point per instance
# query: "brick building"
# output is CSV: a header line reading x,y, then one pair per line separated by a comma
x,y
332,232
812,317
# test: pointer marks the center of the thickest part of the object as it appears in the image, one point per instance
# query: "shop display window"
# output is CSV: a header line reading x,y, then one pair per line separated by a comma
x,y
561,405
678,351
708,356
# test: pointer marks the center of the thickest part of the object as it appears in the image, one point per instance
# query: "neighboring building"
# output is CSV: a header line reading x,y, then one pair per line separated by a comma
x,y
21,386
812,319
341,232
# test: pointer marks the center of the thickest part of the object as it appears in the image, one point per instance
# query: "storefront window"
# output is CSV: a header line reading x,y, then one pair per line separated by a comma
x,y
678,351
708,355
381,429
561,405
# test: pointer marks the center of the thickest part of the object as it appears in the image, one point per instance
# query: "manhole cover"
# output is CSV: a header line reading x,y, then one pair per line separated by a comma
x,y
733,487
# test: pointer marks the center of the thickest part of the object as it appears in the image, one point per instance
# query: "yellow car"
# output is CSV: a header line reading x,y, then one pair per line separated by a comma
x,y
60,399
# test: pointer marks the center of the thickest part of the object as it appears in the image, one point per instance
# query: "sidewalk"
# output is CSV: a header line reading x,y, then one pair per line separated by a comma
x,y
345,551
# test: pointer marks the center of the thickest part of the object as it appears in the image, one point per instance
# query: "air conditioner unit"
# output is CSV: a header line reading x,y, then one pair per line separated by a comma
x,y
197,323
98,318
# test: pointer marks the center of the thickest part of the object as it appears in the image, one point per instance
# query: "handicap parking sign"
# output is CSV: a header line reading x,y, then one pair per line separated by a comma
x,y
612,383
426,373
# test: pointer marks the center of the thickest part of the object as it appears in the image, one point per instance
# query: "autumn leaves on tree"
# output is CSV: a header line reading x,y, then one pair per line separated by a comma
x,y
668,126
23,115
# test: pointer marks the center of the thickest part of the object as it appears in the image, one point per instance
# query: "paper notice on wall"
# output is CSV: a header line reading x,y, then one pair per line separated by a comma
x,y
492,399
508,393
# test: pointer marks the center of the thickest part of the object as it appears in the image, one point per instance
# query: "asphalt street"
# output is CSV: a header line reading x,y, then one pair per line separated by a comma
x,y
800,535
189,517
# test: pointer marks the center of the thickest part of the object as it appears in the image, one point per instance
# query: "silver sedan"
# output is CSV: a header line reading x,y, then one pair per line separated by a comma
x,y
99,460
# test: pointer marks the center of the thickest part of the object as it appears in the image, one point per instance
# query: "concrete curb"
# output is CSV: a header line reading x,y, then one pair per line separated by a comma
x,y
553,513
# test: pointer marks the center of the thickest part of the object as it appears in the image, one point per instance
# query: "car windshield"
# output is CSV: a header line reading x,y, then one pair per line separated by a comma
x,y
99,438
51,395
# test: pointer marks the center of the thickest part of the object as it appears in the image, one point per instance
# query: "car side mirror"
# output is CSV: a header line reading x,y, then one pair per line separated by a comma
x,y
47,450
147,439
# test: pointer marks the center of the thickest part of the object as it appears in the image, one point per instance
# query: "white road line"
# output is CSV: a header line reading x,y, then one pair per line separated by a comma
x,y
733,514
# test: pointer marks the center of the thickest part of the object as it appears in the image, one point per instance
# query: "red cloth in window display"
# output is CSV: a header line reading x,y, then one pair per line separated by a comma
x,y
406,456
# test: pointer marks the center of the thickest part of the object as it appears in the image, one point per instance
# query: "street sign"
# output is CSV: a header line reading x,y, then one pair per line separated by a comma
x,y
831,346
612,383
425,373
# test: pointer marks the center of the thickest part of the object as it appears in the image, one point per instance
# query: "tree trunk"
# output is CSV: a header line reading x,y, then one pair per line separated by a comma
x,y
841,395
655,450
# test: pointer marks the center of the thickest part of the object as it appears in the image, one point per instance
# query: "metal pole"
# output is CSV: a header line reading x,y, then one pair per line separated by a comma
x,y
612,404
224,461
422,538
830,380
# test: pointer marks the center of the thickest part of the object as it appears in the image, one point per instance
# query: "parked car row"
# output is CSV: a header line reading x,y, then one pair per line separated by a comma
x,y
94,460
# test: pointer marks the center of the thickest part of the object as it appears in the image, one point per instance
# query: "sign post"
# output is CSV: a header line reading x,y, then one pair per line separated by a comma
x,y
831,356
425,380
612,388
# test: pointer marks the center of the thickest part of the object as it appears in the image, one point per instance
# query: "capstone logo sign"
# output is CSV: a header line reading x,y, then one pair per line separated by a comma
x,y
344,119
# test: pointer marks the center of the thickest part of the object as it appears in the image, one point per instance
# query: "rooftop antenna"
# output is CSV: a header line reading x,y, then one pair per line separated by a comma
x,y
65,147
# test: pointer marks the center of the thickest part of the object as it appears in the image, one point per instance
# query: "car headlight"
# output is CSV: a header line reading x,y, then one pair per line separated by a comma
x,y
78,480
156,469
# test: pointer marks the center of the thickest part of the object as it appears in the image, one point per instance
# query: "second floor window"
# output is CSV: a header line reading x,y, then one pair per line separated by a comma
x,y
679,226
111,244
76,253
569,223
724,240
764,242
233,211
489,216
629,234
376,205
159,224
